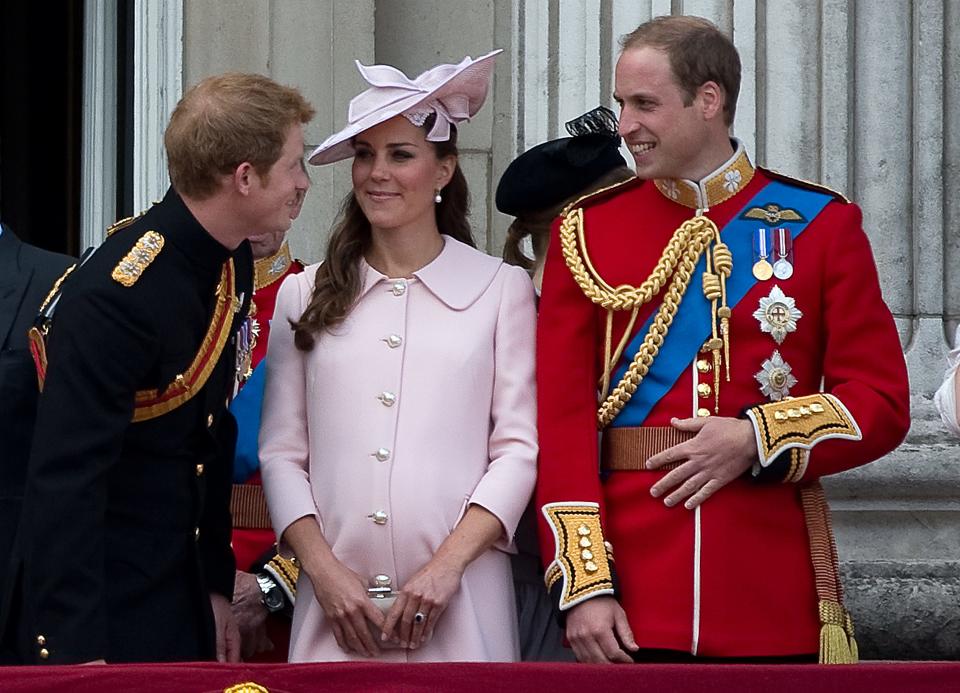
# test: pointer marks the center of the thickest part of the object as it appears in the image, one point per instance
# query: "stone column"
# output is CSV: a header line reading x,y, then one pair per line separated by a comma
x,y
307,44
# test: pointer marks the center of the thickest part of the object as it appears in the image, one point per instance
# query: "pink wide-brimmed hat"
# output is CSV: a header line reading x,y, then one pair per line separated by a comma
x,y
454,92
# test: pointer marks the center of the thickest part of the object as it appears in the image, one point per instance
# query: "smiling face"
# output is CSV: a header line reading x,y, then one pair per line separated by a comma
x,y
277,196
667,137
396,174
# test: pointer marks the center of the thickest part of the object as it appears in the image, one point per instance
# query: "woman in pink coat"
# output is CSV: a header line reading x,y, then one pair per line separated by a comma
x,y
398,440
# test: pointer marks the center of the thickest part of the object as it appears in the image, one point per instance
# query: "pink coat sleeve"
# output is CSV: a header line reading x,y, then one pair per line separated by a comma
x,y
284,444
507,485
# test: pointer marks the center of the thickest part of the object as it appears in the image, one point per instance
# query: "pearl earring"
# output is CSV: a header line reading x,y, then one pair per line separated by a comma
x,y
437,198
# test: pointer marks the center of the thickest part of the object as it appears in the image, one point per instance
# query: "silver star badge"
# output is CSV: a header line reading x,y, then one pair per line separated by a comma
x,y
775,377
777,314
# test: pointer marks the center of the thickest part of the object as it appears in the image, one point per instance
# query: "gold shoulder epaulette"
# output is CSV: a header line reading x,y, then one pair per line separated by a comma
x,y
131,267
600,195
801,183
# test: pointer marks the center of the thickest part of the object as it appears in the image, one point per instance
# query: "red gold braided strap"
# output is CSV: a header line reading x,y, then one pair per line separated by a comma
x,y
800,422
837,642
581,555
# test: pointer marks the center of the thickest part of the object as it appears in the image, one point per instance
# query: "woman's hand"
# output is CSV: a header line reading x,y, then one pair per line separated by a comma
x,y
342,595
430,590
421,602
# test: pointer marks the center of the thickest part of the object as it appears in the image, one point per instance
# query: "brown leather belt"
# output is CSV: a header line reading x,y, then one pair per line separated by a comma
x,y
627,448
248,506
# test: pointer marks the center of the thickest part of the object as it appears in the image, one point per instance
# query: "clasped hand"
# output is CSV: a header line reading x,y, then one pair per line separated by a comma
x,y
414,615
343,598
721,451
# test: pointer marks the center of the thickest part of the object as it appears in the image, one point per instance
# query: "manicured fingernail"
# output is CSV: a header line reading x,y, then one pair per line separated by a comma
x,y
655,492
688,505
667,502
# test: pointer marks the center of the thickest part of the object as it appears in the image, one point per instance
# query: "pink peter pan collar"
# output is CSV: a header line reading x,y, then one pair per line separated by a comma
x,y
458,276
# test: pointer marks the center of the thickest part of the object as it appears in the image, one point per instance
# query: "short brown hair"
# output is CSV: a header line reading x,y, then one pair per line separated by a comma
x,y
698,51
224,121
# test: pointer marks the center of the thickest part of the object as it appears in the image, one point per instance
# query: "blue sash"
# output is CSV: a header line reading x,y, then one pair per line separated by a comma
x,y
245,408
691,326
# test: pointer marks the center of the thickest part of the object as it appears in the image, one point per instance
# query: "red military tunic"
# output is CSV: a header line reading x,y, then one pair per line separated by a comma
x,y
733,578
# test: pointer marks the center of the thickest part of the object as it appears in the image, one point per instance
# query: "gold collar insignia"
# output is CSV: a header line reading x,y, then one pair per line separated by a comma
x,y
269,269
732,177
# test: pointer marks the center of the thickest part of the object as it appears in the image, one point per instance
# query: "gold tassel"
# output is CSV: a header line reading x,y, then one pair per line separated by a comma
x,y
723,266
713,292
854,648
835,646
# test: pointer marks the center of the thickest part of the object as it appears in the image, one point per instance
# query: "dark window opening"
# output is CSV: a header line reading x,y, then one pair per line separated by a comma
x,y
41,92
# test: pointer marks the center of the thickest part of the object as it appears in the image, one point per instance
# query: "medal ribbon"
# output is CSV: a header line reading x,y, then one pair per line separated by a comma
x,y
691,326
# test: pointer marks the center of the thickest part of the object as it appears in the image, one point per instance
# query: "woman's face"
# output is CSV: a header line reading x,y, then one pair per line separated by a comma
x,y
396,174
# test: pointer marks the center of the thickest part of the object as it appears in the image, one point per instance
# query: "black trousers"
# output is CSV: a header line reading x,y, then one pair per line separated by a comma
x,y
651,656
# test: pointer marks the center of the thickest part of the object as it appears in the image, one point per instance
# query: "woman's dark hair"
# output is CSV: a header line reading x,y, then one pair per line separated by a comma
x,y
338,279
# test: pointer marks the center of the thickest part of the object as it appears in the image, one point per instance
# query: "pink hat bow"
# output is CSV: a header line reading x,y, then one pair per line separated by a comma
x,y
454,92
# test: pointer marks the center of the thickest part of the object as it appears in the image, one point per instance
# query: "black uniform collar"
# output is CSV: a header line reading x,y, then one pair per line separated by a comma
x,y
181,228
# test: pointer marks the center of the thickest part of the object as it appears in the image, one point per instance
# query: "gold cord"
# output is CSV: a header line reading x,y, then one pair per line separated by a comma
x,y
676,264
607,361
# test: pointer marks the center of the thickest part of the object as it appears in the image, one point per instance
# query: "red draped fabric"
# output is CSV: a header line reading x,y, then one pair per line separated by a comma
x,y
875,677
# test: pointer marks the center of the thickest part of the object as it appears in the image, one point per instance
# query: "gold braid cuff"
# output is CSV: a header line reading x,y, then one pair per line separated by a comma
x,y
674,270
285,572
581,553
800,422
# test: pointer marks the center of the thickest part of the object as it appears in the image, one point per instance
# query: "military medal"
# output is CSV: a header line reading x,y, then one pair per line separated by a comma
x,y
246,341
762,269
775,378
783,247
777,314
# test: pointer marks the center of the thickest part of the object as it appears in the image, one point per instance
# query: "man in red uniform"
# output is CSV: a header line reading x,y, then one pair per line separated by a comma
x,y
723,327
265,586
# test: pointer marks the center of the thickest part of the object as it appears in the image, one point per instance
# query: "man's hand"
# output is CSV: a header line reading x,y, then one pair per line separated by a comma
x,y
721,451
598,631
250,614
228,635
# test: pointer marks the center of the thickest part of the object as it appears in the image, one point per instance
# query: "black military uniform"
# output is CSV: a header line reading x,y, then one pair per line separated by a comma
x,y
126,525
26,275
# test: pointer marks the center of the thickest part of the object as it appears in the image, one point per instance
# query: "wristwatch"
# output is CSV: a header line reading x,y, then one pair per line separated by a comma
x,y
273,597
